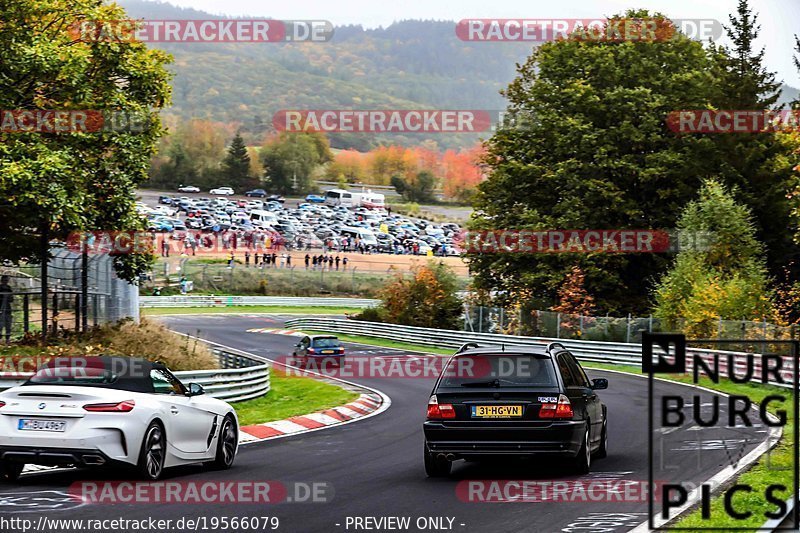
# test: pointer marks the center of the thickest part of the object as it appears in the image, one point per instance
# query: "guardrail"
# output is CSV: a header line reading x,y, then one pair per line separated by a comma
x,y
233,301
240,377
594,351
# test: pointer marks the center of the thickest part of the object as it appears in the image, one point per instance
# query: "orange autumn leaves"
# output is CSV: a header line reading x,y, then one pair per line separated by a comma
x,y
457,172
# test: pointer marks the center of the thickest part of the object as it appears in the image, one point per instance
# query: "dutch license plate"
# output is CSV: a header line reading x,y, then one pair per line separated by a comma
x,y
326,351
496,411
35,424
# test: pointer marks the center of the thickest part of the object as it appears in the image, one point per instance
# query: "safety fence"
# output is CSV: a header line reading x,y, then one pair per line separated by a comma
x,y
232,301
594,351
239,378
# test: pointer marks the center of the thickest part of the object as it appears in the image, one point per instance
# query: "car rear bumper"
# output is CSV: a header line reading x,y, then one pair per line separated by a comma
x,y
563,438
54,456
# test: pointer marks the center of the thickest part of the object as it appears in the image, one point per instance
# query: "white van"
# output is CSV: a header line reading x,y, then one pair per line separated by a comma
x,y
262,219
336,197
366,236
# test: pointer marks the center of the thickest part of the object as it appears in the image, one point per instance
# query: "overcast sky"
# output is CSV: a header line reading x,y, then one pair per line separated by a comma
x,y
778,18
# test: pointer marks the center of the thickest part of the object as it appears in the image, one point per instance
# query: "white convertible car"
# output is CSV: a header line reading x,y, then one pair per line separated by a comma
x,y
93,411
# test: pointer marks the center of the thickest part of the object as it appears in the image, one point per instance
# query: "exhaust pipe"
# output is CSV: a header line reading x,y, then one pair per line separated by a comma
x,y
448,457
93,460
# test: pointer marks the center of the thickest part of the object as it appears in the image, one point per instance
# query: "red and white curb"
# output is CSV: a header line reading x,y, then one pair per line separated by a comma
x,y
274,331
366,404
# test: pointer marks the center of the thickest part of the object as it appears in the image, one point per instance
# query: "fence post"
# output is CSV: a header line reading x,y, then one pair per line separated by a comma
x,y
650,324
480,319
25,313
628,332
558,326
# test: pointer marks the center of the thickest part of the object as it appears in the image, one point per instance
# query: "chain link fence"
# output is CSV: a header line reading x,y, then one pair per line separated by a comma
x,y
537,323
108,298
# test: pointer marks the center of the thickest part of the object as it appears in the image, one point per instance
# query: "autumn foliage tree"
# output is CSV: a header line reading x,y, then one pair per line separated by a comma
x,y
426,299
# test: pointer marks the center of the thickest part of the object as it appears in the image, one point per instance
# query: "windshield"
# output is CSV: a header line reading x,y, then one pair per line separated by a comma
x,y
327,342
499,371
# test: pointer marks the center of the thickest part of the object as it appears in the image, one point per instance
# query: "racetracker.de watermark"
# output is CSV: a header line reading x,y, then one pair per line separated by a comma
x,y
597,30
72,121
385,120
399,367
203,31
583,241
733,121
201,492
561,491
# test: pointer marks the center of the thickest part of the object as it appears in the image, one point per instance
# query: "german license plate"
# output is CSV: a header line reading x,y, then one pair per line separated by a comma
x,y
496,411
37,424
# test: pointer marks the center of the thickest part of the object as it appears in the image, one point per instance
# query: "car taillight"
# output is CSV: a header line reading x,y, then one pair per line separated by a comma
x,y
2,404
438,410
311,350
341,350
121,407
560,410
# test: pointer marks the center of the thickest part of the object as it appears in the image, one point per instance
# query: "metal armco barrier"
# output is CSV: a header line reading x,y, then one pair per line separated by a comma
x,y
239,378
232,301
594,351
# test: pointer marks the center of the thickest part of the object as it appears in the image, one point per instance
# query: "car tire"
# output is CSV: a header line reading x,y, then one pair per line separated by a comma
x,y
602,451
153,453
434,466
11,471
583,461
226,444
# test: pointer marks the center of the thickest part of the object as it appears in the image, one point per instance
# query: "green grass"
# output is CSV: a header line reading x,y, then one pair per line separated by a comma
x,y
242,309
291,396
384,343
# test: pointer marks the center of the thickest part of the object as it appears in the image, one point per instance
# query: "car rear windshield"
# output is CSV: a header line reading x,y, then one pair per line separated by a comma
x,y
499,370
328,342
74,376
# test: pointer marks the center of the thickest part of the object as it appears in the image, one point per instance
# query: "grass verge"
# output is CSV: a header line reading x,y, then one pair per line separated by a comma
x,y
241,309
291,396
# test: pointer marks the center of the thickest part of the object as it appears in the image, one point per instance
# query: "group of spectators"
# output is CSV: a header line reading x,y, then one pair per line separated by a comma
x,y
325,261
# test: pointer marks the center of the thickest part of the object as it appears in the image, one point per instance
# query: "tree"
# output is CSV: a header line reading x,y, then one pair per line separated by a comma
x,y
586,148
290,159
727,279
419,189
755,164
427,299
573,298
74,182
236,165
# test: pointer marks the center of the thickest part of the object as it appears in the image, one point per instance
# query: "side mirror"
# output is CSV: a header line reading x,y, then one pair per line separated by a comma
x,y
599,384
196,389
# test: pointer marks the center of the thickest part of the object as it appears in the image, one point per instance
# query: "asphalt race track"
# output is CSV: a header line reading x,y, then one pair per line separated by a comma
x,y
375,465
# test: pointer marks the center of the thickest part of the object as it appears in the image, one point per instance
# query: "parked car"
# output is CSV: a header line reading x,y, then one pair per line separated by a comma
x,y
113,411
188,188
525,401
315,199
256,193
222,191
276,198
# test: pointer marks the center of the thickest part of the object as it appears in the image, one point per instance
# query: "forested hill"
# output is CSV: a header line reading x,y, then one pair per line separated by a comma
x,y
411,64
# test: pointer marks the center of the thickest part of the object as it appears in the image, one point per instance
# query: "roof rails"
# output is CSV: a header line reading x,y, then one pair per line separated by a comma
x,y
467,346
555,345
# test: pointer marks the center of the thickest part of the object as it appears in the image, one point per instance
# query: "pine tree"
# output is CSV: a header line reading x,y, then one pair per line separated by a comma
x,y
236,165
749,85
755,164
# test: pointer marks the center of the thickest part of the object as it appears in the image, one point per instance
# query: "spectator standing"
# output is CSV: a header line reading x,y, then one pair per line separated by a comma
x,y
247,258
307,259
337,262
344,263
